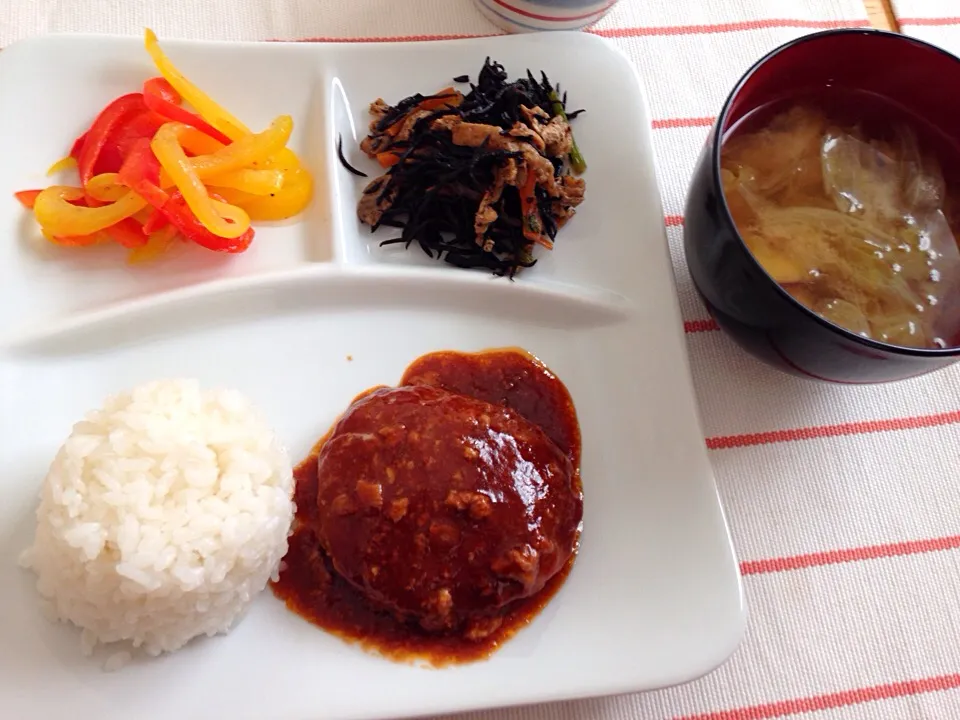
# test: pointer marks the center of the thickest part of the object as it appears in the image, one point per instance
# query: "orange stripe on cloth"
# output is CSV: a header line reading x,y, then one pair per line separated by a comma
x,y
741,26
831,701
673,123
857,554
916,422
935,22
389,38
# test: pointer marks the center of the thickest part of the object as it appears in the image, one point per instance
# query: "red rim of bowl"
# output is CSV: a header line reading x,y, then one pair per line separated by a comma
x,y
715,162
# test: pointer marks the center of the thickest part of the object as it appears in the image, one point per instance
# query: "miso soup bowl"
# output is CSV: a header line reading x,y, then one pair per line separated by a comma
x,y
744,300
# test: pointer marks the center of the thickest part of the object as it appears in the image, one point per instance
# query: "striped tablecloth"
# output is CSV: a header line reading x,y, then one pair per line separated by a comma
x,y
936,21
844,502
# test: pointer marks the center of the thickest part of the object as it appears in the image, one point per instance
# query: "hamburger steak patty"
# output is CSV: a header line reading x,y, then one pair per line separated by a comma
x,y
442,509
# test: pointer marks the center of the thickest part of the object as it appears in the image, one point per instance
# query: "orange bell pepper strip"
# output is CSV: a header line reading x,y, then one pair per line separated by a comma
x,y
27,197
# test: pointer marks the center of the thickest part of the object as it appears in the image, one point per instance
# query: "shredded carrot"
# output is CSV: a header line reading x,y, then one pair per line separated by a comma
x,y
388,159
448,98
530,216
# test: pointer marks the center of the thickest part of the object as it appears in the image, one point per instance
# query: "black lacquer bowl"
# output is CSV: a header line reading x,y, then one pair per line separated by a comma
x,y
746,302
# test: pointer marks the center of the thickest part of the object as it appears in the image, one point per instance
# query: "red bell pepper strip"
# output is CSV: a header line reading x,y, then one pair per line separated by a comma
x,y
157,96
141,173
159,87
27,197
103,127
144,125
119,143
78,146
156,221
181,217
128,232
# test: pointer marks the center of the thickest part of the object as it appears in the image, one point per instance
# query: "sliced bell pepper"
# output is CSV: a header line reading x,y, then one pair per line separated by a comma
x,y
128,232
181,216
201,102
78,146
27,197
143,125
63,163
256,150
252,182
157,244
159,87
157,221
105,187
97,238
103,127
57,215
227,221
141,173
288,202
158,94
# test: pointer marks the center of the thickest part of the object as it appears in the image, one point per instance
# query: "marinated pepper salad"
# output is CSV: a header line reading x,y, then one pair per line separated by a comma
x,y
152,170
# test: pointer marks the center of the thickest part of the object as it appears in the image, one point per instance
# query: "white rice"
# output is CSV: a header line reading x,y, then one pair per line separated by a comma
x,y
162,517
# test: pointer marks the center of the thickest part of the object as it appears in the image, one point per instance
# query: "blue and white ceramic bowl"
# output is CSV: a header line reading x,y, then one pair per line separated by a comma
x,y
534,15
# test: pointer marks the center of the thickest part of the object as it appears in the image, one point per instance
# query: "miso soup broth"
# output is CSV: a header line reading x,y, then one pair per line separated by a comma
x,y
853,207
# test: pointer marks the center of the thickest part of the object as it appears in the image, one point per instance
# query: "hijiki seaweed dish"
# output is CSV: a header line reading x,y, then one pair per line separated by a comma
x,y
477,179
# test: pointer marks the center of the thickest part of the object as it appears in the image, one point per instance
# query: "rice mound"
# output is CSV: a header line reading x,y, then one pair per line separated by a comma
x,y
162,516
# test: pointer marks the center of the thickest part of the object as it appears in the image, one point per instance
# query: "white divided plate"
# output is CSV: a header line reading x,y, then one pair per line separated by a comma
x,y
654,598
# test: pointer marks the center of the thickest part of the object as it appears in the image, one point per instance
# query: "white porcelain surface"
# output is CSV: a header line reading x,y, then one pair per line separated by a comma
x,y
654,598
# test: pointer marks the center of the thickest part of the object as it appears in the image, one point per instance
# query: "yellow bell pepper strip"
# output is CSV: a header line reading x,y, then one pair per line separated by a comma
x,y
285,159
57,215
160,96
252,182
233,196
106,187
97,238
210,111
255,150
157,244
290,201
221,219
64,163
195,142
